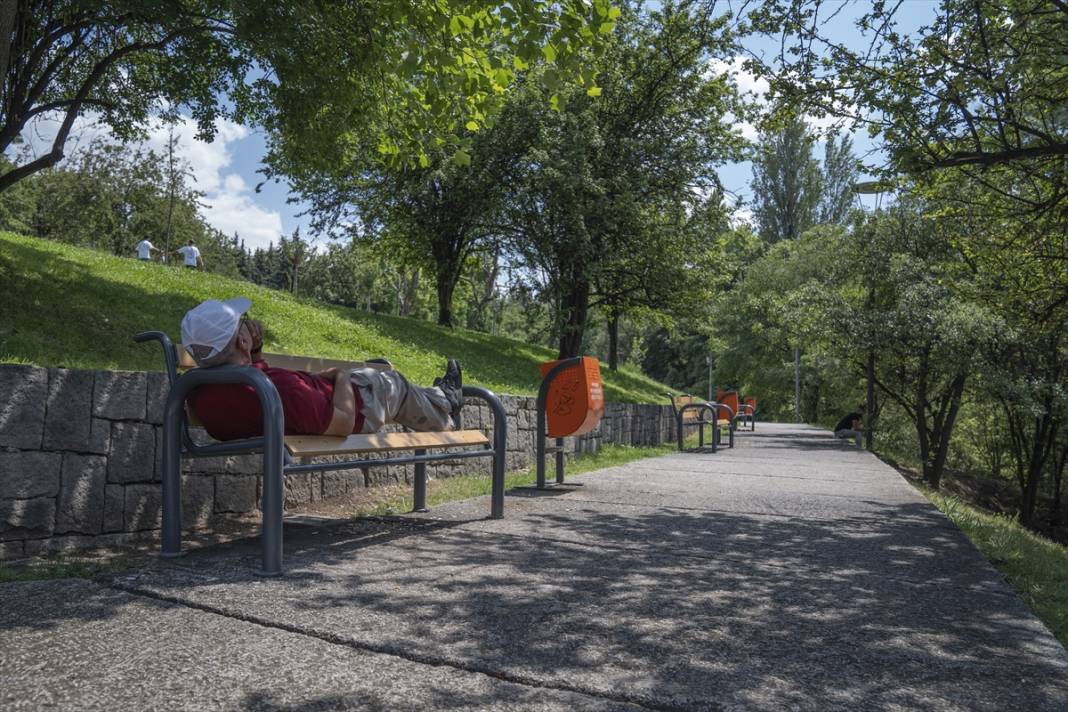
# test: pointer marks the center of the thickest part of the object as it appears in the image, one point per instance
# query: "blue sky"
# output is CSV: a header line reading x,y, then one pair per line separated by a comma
x,y
226,170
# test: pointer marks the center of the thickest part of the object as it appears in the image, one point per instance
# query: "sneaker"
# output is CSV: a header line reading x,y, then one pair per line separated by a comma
x,y
452,385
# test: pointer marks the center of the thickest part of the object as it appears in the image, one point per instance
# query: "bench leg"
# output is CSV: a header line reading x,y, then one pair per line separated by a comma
x,y
500,454
419,503
559,461
272,507
171,473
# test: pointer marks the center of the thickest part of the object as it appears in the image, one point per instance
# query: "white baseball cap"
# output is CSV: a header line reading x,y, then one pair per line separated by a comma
x,y
209,327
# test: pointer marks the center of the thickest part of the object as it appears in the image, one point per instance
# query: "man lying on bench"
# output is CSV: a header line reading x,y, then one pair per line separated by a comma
x,y
332,402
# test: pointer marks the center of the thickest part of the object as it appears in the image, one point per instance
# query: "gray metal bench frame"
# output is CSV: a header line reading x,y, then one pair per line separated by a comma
x,y
703,409
276,461
746,416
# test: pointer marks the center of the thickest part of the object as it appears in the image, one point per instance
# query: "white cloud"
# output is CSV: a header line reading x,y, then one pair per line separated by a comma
x,y
756,89
235,211
747,82
743,216
230,203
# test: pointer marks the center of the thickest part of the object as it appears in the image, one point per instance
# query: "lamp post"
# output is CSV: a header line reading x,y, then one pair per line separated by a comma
x,y
797,385
710,359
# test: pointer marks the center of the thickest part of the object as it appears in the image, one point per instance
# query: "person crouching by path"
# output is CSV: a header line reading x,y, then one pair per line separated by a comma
x,y
332,402
850,426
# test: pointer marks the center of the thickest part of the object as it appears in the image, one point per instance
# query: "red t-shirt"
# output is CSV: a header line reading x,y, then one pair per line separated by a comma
x,y
232,411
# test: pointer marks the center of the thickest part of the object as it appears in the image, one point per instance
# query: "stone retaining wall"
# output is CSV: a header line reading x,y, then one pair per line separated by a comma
x,y
79,459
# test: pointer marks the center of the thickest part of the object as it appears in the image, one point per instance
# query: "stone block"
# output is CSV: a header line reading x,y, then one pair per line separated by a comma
x,y
81,494
60,545
142,507
99,437
68,417
235,493
12,549
298,489
25,475
27,518
114,504
23,396
132,456
143,504
341,482
157,386
384,476
198,501
120,395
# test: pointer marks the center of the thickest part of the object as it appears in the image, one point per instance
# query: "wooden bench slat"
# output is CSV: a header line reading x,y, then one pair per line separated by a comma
x,y
313,445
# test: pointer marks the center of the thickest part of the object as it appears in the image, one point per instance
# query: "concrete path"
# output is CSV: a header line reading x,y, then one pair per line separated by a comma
x,y
790,573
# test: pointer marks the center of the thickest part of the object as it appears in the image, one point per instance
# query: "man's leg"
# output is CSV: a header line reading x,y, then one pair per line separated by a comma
x,y
388,397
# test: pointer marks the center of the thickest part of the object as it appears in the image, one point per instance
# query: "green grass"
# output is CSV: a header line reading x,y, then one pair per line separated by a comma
x,y
397,500
1035,567
78,308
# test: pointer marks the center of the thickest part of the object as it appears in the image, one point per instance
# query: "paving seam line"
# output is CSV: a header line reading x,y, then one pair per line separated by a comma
x,y
644,703
709,557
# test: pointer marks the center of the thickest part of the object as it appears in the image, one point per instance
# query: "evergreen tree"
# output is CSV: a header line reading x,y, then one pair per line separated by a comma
x,y
786,182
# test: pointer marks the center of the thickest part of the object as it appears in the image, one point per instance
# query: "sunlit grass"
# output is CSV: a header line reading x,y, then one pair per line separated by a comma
x,y
1034,566
79,308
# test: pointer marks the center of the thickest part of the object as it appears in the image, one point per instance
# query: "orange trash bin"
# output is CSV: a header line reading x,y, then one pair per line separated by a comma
x,y
574,403
729,399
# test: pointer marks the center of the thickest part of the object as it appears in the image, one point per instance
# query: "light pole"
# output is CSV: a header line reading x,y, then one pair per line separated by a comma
x,y
797,385
710,359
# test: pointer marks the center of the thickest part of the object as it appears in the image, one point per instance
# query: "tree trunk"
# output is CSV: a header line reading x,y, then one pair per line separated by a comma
x,y
409,289
446,286
613,340
1045,434
943,435
448,262
1058,480
574,308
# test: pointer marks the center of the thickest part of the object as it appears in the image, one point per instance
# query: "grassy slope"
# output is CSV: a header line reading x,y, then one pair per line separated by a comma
x,y
66,306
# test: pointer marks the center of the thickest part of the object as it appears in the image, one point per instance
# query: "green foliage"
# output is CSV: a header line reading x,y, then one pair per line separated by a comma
x,y
606,212
322,77
786,182
110,197
67,306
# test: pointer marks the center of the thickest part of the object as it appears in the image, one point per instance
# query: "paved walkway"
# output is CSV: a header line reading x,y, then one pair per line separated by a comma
x,y
791,573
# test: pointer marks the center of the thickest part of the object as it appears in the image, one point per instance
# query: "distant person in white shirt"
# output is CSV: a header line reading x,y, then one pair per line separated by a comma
x,y
145,250
191,255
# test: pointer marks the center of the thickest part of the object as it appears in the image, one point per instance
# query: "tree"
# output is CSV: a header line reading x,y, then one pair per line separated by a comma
x,y
838,180
913,319
982,85
408,74
600,173
439,215
786,182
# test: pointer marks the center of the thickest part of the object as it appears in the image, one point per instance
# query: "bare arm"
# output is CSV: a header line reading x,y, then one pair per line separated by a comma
x,y
344,405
